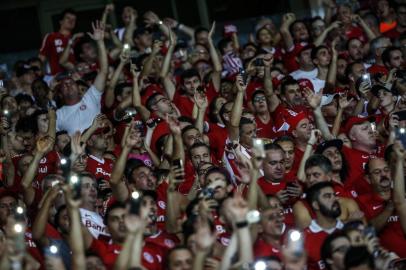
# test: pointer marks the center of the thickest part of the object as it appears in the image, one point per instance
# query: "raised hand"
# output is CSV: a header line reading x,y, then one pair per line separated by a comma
x,y
344,102
315,134
98,31
288,19
98,121
77,147
109,8
150,18
268,59
170,22
156,46
393,122
204,237
45,144
238,209
313,99
78,35
239,83
133,138
200,100
172,38
399,150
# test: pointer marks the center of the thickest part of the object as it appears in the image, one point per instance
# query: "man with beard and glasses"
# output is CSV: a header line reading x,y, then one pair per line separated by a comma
x,y
324,203
378,206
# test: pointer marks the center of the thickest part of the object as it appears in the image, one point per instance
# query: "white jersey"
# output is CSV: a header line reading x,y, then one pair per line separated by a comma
x,y
79,116
94,223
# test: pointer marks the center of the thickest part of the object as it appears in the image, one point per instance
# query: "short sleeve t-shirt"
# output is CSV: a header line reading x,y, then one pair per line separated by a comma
x,y
79,116
94,223
52,47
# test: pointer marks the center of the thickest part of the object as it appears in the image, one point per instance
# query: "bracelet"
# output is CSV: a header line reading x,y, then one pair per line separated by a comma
x,y
241,224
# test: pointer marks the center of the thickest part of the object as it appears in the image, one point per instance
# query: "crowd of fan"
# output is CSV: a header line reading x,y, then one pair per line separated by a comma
x,y
151,147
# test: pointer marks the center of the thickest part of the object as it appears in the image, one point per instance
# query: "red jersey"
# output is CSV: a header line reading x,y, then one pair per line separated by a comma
x,y
269,187
314,238
264,130
48,165
392,236
161,203
100,168
151,255
392,34
217,135
52,47
282,113
163,240
374,69
358,159
264,249
289,59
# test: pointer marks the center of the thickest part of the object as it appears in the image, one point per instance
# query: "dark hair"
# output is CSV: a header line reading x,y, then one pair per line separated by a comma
x,y
199,30
219,170
118,90
326,249
131,165
187,119
67,11
347,45
316,50
198,144
151,100
77,50
357,256
187,128
58,214
222,44
189,73
313,192
294,23
284,138
25,124
288,80
174,249
257,92
112,207
245,121
24,97
273,146
387,52
318,160
348,69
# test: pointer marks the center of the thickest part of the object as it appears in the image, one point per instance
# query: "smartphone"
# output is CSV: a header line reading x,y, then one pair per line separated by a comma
x,y
294,242
135,203
65,167
208,193
126,47
258,146
178,163
401,135
7,115
259,62
75,183
253,216
367,78
243,75
201,90
1,84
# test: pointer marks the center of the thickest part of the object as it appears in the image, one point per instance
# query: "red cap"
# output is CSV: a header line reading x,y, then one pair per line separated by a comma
x,y
356,120
160,130
294,120
305,83
149,91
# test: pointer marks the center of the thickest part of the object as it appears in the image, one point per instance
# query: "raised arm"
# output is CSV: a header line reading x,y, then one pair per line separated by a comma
x,y
332,69
109,96
170,87
202,104
52,123
399,185
118,186
314,100
64,58
98,36
129,29
236,110
43,146
5,154
204,242
136,98
271,97
320,39
41,220
287,20
178,148
75,234
217,67
108,9
368,31
301,175
343,103
147,68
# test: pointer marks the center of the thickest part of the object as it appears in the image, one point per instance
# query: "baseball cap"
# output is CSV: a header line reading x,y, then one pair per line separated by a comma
x,y
375,89
326,144
356,120
294,120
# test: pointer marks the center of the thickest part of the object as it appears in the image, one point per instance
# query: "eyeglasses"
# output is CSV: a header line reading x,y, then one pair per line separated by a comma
x,y
259,99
